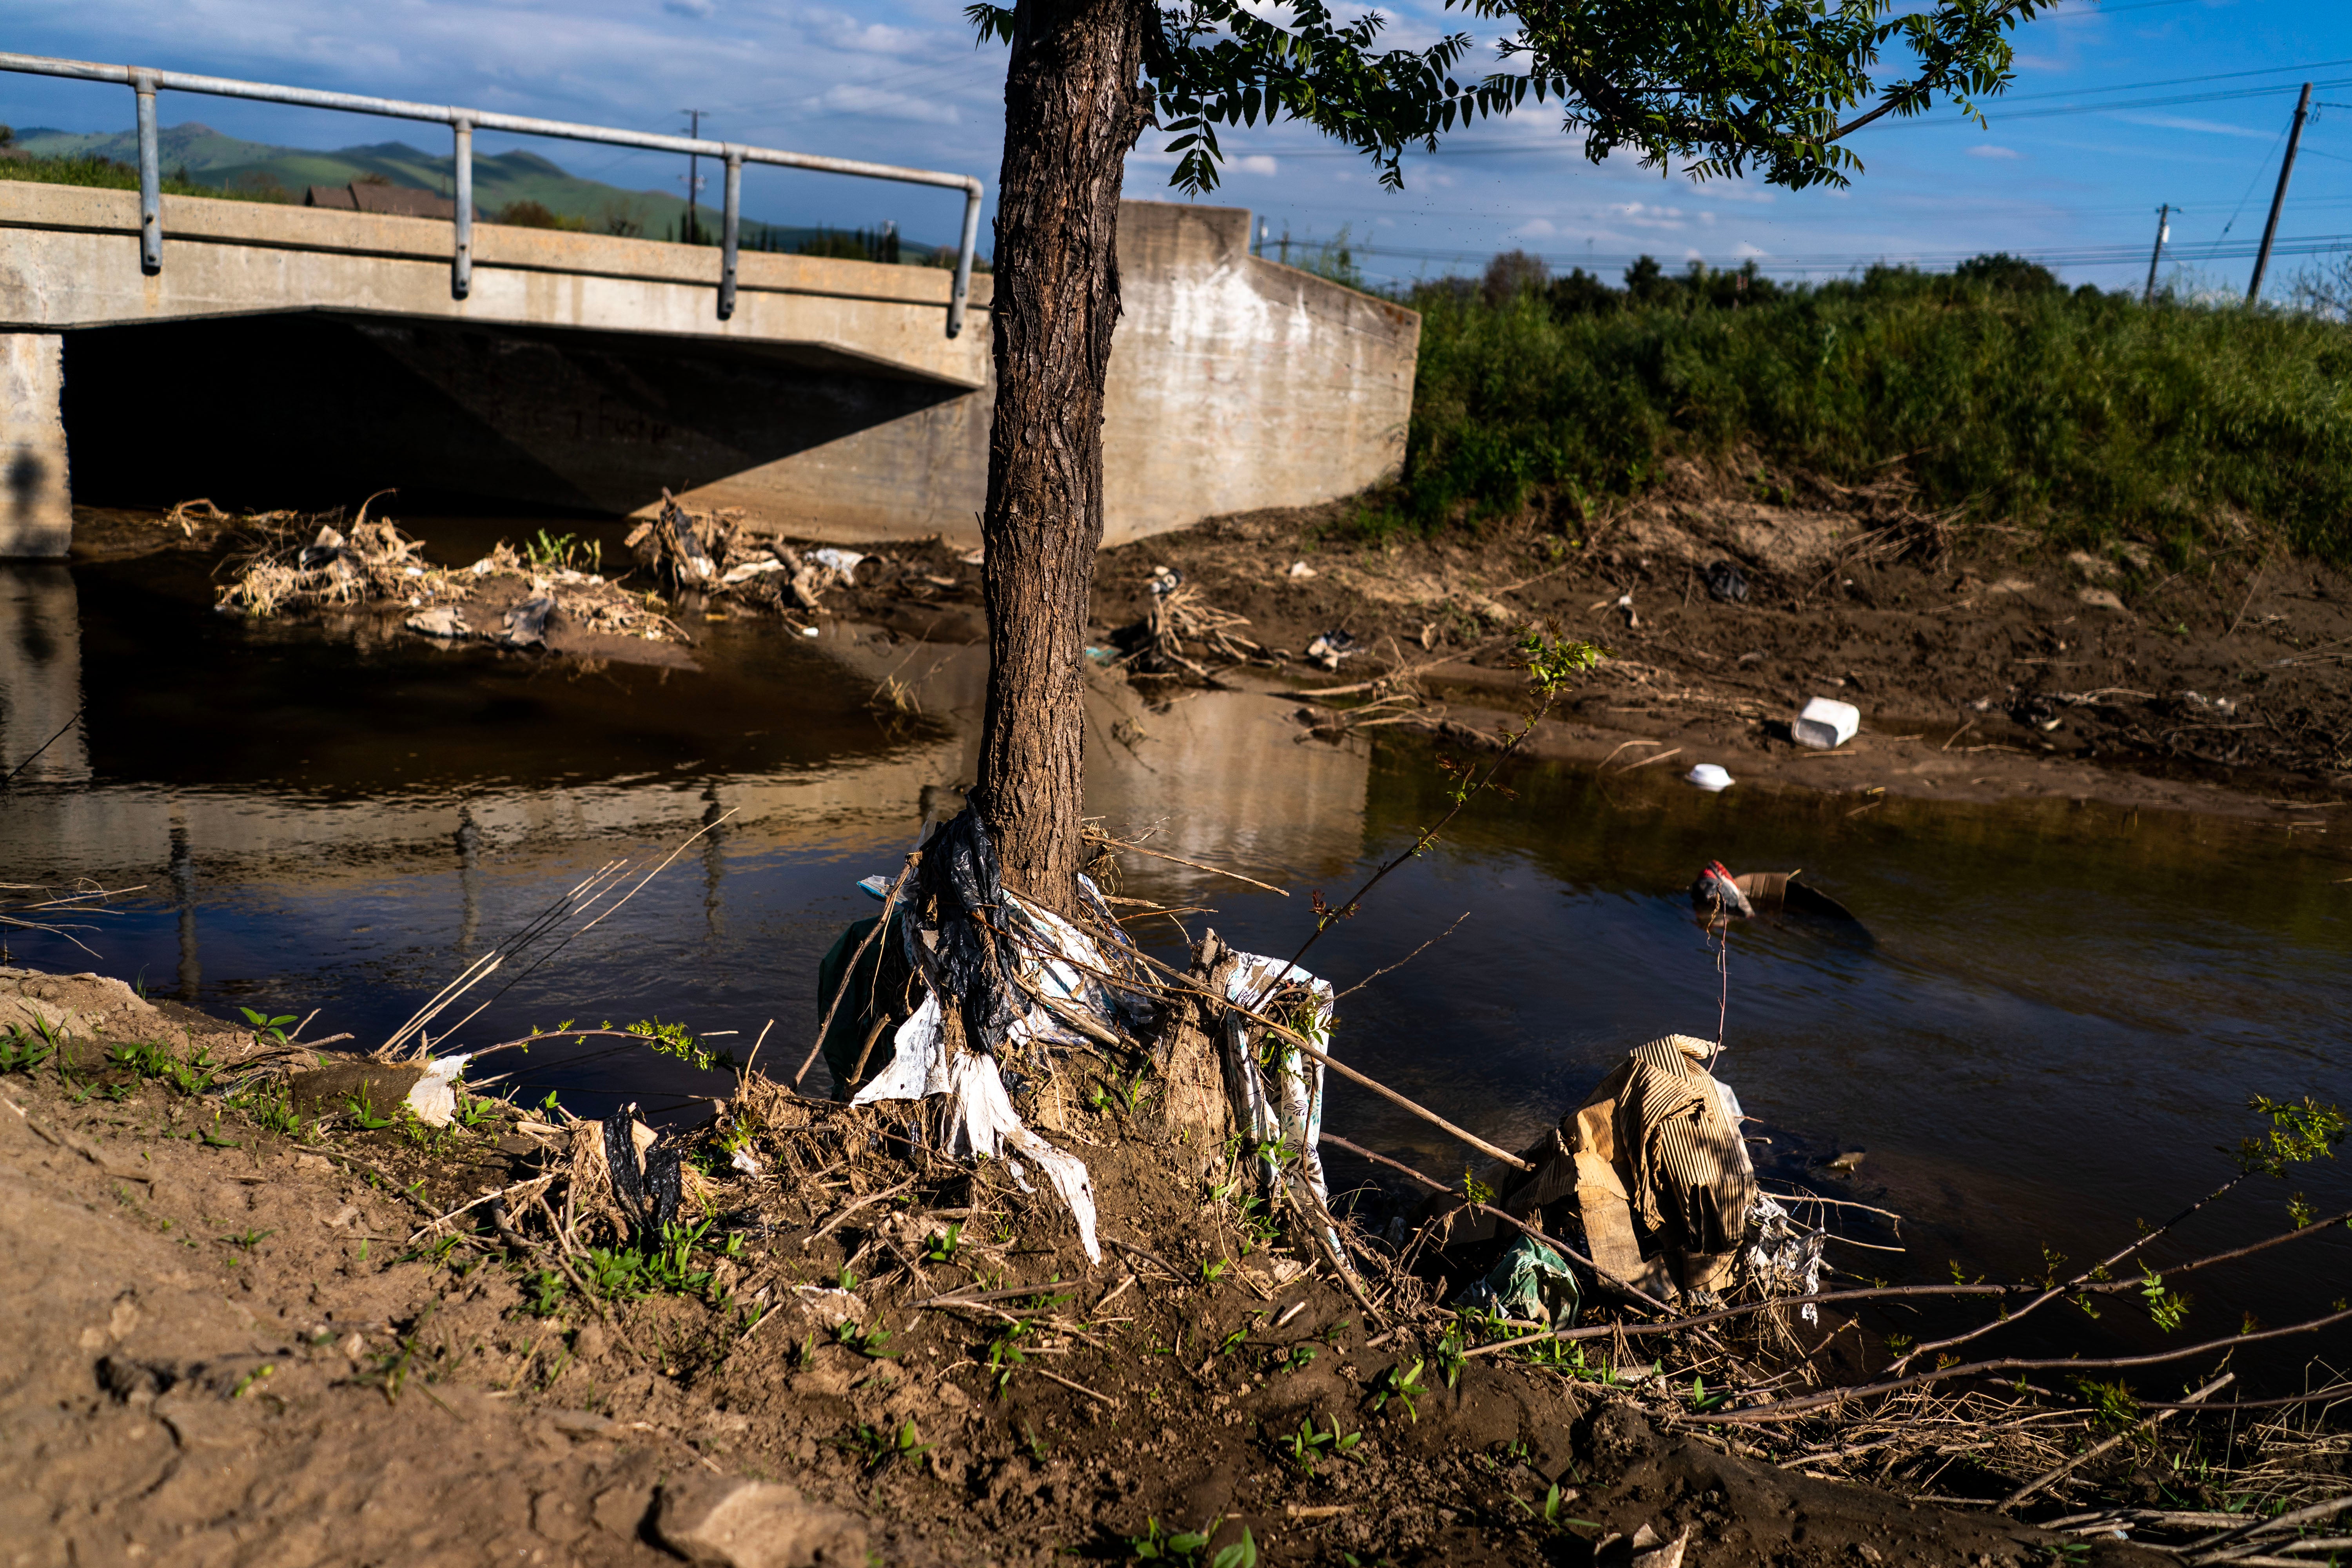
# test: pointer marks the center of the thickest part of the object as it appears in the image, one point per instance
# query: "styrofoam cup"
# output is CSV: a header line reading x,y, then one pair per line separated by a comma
x,y
1709,778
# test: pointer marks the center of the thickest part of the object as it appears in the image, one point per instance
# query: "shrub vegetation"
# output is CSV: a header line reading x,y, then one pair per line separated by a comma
x,y
2083,415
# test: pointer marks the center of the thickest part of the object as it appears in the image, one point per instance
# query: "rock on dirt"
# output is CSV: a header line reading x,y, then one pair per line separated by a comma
x,y
731,1523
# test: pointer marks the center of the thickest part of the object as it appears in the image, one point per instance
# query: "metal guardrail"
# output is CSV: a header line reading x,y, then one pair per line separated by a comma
x,y
146,83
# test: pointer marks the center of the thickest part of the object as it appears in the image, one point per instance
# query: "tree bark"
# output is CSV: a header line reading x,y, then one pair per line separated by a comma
x,y
1072,110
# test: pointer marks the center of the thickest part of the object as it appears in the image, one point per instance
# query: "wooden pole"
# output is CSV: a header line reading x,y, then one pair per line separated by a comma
x,y
2278,197
2163,227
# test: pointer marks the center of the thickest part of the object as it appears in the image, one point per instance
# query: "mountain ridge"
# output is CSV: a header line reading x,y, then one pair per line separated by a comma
x,y
197,152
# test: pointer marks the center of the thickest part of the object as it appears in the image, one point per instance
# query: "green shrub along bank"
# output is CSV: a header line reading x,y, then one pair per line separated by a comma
x,y
2084,415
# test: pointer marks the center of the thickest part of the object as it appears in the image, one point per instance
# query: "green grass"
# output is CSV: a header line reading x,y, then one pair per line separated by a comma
x,y
105,174
2080,415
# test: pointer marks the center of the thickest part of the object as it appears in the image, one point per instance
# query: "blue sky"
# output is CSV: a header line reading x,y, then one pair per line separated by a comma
x,y
2117,107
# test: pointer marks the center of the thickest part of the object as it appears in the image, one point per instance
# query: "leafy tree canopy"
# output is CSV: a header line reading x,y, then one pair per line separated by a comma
x,y
1721,87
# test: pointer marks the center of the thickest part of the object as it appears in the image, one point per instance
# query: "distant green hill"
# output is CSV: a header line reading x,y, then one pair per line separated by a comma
x,y
203,156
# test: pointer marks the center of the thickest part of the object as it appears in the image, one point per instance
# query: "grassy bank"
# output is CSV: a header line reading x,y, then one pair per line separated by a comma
x,y
105,174
2080,413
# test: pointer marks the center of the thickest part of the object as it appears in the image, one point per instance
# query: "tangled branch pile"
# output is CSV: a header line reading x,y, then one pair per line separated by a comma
x,y
505,597
708,553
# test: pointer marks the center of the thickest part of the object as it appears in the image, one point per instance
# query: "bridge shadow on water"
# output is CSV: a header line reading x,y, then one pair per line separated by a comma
x,y
319,409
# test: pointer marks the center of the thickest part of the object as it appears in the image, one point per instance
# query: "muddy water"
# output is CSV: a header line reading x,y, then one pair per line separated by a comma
x,y
2050,1033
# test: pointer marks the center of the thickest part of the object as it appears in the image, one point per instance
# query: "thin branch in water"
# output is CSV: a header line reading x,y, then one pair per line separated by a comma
x,y
1408,958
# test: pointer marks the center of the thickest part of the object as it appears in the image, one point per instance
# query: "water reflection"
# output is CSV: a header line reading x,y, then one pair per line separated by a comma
x,y
40,676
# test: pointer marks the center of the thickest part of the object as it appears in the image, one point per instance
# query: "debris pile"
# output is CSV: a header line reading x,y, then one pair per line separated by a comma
x,y
1180,629
709,553
508,598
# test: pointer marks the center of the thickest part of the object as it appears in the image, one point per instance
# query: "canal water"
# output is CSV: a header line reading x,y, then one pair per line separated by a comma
x,y
2048,1035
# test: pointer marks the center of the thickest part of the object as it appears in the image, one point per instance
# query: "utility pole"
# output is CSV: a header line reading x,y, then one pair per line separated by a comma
x,y
693,165
2278,197
2163,233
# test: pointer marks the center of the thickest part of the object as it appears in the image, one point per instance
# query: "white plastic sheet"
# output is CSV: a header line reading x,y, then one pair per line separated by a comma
x,y
1292,1116
982,1122
433,1096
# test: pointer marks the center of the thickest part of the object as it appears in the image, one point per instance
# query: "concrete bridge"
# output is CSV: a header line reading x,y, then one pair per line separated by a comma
x,y
285,355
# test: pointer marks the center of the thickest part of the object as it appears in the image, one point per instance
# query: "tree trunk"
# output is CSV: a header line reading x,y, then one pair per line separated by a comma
x,y
1072,110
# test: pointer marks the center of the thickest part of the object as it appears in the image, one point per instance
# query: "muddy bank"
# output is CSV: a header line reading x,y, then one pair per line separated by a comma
x,y
1983,667
243,1337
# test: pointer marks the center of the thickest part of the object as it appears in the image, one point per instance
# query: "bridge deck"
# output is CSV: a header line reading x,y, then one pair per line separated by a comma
x,y
71,260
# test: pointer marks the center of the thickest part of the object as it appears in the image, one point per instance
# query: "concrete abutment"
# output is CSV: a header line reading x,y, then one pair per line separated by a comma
x,y
37,508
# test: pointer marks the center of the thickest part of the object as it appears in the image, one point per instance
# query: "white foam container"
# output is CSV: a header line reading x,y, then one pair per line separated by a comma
x,y
1826,724
1708,777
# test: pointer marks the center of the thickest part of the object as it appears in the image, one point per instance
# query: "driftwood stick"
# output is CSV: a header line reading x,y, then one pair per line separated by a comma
x,y
1394,1098
1196,864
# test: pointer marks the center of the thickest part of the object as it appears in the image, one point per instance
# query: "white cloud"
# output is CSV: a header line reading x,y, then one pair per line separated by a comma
x,y
1256,164
856,97
2209,127
1534,229
1987,150
857,36
1746,251
1642,214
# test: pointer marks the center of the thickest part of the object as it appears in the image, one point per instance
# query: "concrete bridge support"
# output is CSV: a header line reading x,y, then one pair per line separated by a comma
x,y
35,512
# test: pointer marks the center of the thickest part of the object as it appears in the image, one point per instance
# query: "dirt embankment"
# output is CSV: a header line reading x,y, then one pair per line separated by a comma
x,y
1984,666
240,1338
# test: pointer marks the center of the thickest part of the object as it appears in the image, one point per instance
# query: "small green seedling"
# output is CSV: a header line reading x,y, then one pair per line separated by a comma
x,y
1298,1358
941,1246
1213,1269
244,1384
1157,1545
1005,1353
23,1050
267,1030
1451,1357
872,1344
248,1239
543,1289
1551,1517
879,1446
1401,1383
362,1112
1307,1445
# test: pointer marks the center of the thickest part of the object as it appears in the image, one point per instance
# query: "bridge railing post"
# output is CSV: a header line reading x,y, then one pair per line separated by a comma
x,y
960,296
461,265
730,226
151,178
